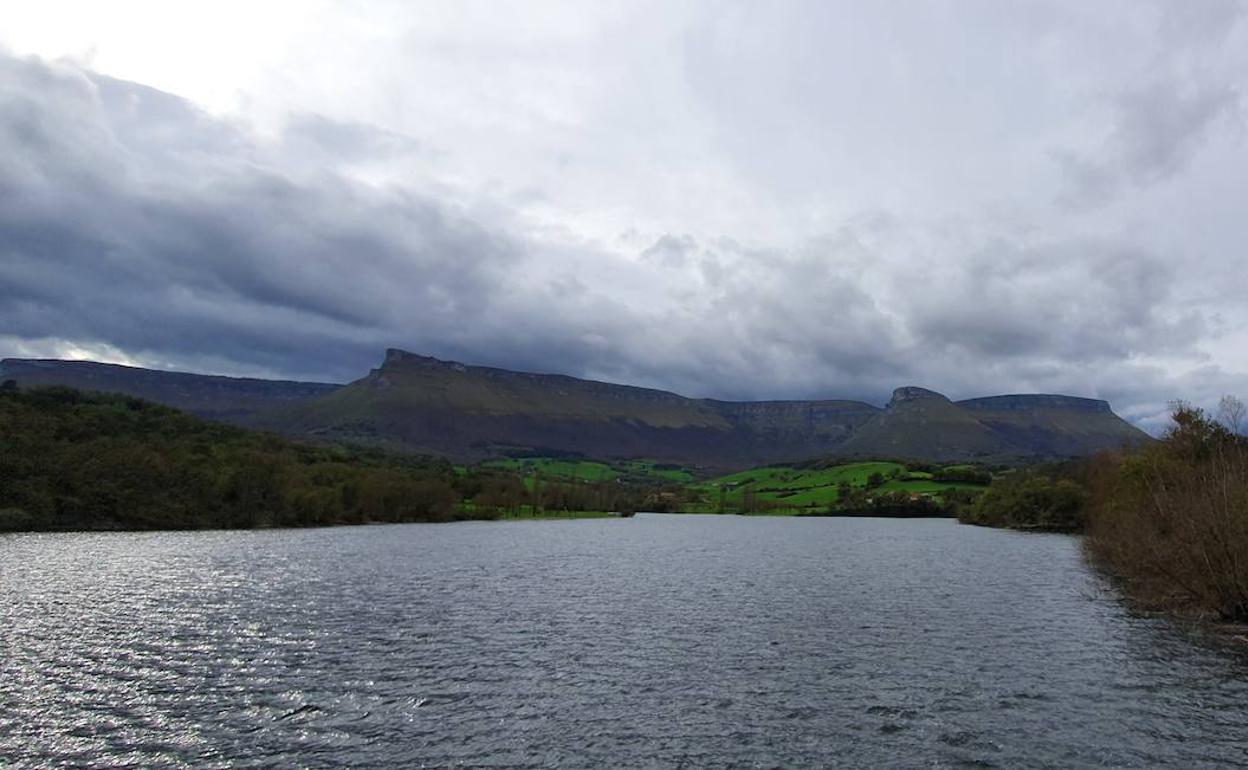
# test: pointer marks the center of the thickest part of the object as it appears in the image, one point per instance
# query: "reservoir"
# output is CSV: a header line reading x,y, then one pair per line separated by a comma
x,y
658,641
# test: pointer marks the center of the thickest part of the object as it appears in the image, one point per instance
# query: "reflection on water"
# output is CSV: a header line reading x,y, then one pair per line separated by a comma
x,y
662,641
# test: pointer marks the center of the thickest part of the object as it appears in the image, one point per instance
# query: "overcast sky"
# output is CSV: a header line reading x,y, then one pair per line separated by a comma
x,y
736,200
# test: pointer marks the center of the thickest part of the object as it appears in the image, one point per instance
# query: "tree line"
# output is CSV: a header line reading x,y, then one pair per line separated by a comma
x,y
79,460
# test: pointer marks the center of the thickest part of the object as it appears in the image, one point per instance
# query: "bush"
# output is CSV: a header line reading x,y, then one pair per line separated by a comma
x,y
1028,499
1171,520
963,475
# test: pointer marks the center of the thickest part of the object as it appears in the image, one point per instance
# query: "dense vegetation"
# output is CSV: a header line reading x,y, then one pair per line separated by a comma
x,y
579,469
1042,498
1171,520
72,460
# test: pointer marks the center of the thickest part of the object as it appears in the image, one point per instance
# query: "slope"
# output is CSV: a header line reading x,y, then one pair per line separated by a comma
x,y
225,399
472,412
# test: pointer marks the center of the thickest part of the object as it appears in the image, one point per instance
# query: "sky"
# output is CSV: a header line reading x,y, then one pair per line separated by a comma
x,y
726,199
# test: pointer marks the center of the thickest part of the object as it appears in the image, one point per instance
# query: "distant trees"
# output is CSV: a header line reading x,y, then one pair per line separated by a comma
x,y
1035,498
501,493
1231,414
962,474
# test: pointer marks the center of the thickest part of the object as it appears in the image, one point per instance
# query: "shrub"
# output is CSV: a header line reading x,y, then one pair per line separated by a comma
x,y
1028,499
1171,520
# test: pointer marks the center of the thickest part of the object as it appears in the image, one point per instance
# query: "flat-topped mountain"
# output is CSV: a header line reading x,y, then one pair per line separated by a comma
x,y
472,412
446,407
922,423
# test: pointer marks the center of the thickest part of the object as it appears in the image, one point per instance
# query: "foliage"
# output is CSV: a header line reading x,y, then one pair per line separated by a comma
x,y
962,474
1171,520
581,469
74,460
1034,498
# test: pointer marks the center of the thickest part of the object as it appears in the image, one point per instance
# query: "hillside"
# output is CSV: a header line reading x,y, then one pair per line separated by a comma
x,y
422,404
920,423
474,412
225,399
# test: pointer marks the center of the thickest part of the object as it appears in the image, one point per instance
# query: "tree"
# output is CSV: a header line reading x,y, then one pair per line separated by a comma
x,y
1231,413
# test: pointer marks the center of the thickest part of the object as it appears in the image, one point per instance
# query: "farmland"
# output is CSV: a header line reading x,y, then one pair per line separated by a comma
x,y
791,490
779,490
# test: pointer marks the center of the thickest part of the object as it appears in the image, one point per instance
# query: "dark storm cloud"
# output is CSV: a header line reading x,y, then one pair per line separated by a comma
x,y
127,217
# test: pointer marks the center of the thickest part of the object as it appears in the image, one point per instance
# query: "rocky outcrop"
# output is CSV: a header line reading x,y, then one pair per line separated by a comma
x,y
910,393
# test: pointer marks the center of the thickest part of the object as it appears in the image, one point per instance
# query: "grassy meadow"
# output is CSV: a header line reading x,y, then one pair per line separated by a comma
x,y
792,490
776,490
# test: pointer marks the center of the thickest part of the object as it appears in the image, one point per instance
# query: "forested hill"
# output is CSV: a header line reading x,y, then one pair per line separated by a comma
x,y
73,460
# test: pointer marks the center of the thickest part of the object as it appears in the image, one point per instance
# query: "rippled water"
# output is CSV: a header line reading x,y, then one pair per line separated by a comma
x,y
659,641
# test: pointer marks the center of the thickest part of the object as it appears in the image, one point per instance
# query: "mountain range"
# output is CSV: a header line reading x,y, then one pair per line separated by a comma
x,y
423,404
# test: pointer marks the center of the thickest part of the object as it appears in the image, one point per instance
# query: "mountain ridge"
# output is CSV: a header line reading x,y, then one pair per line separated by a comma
x,y
421,403
213,396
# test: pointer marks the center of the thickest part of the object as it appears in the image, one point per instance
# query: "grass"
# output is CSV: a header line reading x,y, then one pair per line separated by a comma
x,y
788,490
780,490
643,470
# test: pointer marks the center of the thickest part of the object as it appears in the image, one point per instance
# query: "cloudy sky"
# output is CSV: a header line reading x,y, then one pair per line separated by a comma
x,y
737,200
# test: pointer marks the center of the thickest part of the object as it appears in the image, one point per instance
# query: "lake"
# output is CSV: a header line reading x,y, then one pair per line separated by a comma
x,y
659,641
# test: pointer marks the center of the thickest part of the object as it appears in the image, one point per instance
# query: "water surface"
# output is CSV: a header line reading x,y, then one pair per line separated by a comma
x,y
662,641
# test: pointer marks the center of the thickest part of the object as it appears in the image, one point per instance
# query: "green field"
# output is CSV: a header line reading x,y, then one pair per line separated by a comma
x,y
782,489
776,490
641,471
